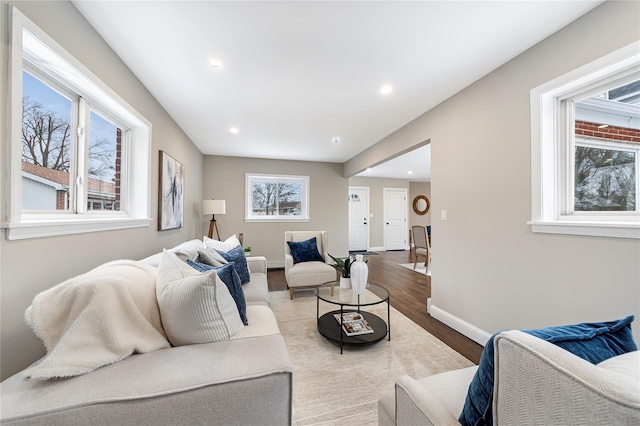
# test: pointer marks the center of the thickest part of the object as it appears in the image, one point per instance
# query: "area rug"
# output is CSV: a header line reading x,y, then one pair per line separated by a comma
x,y
419,268
334,389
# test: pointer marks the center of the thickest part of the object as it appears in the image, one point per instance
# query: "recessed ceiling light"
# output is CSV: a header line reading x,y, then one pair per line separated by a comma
x,y
233,130
410,172
368,169
336,140
216,63
386,89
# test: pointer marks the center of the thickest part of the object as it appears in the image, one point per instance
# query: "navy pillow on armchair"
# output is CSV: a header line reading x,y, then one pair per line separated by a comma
x,y
593,342
305,251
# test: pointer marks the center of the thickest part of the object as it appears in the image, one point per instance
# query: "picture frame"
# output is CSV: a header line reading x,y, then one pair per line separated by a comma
x,y
170,193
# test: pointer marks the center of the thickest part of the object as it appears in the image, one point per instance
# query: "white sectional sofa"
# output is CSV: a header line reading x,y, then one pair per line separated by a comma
x,y
243,381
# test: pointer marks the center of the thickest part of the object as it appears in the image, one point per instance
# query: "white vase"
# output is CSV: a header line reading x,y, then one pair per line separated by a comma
x,y
345,282
359,275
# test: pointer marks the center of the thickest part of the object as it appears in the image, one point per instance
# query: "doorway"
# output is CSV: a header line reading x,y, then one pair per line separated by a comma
x,y
395,218
358,218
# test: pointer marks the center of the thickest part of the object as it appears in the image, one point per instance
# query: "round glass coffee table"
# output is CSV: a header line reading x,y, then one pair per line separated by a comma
x,y
330,326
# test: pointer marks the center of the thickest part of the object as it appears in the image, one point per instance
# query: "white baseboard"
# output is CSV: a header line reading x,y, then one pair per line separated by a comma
x,y
275,264
461,326
376,249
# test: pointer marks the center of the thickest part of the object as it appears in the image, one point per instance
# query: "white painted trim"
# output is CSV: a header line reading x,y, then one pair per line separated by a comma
x,y
376,249
22,231
136,181
275,264
593,229
548,152
471,331
305,214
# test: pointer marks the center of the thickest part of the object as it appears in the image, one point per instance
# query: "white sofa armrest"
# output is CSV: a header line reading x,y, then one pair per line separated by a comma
x,y
537,382
288,263
257,264
417,405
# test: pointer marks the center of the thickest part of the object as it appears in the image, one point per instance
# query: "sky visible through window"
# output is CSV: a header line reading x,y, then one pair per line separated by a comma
x,y
57,103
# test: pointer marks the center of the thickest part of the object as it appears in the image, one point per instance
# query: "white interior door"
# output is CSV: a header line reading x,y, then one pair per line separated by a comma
x,y
358,218
395,218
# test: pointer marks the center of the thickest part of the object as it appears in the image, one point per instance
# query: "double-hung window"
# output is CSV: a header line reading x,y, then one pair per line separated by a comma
x,y
586,149
79,154
277,198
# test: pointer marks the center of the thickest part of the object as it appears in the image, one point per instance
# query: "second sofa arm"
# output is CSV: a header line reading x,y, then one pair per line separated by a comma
x,y
257,264
416,405
542,383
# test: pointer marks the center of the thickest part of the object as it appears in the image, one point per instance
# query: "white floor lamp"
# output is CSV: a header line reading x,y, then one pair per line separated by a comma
x,y
214,207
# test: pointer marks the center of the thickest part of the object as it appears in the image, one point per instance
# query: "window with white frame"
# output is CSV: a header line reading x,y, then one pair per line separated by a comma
x,y
586,149
277,198
72,145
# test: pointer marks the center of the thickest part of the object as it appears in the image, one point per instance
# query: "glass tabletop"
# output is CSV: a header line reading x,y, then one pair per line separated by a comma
x,y
332,293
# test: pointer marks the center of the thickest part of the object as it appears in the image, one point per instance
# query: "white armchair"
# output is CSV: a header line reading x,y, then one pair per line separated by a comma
x,y
307,274
535,382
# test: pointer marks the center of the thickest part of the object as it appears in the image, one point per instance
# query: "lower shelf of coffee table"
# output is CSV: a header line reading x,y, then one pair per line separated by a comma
x,y
329,327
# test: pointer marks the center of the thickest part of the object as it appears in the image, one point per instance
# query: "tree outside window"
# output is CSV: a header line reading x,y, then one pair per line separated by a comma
x,y
277,197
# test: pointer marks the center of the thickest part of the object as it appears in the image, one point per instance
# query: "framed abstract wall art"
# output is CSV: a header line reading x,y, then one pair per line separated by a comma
x,y
171,193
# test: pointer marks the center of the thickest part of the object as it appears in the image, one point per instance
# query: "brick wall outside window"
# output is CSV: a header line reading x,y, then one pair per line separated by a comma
x,y
625,134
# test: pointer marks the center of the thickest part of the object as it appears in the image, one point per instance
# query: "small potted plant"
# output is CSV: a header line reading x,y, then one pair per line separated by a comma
x,y
247,251
344,267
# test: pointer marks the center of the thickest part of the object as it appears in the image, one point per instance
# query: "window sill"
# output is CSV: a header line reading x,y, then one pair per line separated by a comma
x,y
54,228
593,229
303,219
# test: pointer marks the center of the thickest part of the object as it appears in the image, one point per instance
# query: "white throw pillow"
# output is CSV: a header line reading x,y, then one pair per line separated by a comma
x,y
226,245
195,307
211,252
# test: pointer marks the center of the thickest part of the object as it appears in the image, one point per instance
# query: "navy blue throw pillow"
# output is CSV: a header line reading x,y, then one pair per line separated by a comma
x,y
230,278
237,256
305,251
593,342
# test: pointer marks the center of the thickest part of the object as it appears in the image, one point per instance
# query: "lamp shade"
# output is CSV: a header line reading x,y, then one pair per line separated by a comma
x,y
214,207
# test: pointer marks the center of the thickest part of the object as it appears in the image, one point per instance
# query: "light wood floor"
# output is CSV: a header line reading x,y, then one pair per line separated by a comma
x,y
408,294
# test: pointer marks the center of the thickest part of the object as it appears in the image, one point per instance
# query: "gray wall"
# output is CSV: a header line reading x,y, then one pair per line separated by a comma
x,y
415,189
376,204
31,266
489,269
224,178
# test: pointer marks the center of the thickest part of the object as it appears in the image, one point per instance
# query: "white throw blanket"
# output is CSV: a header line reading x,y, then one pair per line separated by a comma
x,y
96,318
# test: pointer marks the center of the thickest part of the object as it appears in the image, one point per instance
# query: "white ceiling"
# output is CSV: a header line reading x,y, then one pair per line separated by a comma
x,y
298,74
414,165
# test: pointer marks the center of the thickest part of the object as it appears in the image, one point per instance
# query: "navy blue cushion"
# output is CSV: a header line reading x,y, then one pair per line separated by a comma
x,y
237,256
305,251
229,276
593,342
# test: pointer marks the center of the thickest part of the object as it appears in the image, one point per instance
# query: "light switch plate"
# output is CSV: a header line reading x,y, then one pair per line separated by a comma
x,y
443,215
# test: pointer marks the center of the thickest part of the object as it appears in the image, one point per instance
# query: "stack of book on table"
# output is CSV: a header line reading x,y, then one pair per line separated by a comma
x,y
353,323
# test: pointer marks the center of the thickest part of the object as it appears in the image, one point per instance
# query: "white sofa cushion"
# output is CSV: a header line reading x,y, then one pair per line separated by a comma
x,y
226,245
310,274
262,322
195,307
188,250
626,364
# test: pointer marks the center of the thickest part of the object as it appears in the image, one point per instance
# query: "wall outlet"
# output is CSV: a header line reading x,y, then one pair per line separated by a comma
x,y
443,215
